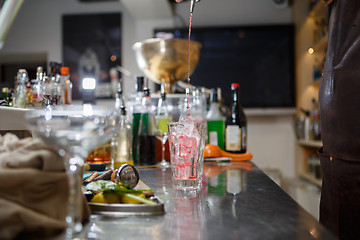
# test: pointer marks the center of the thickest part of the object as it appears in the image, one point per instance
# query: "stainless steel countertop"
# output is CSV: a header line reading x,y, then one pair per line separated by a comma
x,y
237,201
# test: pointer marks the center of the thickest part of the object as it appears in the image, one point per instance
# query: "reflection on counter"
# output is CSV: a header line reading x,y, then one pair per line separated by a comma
x,y
236,181
188,208
232,183
188,217
231,180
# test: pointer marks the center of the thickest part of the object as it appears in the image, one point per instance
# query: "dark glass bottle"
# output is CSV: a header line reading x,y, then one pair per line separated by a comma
x,y
147,133
136,114
236,124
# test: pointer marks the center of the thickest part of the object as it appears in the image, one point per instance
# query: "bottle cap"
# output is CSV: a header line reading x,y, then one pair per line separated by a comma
x,y
64,70
22,71
22,75
39,69
235,85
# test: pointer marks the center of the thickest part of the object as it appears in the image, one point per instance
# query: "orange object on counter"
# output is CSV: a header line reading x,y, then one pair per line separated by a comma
x,y
215,151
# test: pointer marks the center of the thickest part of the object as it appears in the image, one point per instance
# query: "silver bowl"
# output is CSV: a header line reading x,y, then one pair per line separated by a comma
x,y
166,60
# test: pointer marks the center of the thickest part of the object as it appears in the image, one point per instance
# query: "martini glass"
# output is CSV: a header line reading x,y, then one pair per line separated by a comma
x,y
162,117
74,131
162,135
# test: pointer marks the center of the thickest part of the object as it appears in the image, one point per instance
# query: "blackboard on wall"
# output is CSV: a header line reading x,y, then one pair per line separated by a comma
x,y
260,58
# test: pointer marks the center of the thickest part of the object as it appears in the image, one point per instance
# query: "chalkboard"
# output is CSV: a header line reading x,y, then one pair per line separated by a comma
x,y
260,58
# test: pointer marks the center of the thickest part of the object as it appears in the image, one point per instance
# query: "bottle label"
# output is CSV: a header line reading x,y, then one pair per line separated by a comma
x,y
233,138
213,138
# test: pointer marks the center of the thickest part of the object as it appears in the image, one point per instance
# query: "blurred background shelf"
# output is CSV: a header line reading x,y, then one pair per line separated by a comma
x,y
321,45
311,178
317,82
318,9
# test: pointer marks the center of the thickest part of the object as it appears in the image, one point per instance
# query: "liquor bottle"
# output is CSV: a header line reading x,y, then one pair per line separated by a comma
x,y
119,99
51,89
147,133
21,97
6,95
50,92
136,114
121,143
55,72
236,124
66,86
37,87
215,122
29,92
123,150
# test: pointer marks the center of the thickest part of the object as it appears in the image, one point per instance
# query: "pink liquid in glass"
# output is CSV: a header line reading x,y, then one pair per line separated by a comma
x,y
184,158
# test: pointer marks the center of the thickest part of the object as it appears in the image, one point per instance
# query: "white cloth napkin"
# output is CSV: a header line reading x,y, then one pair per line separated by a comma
x,y
33,189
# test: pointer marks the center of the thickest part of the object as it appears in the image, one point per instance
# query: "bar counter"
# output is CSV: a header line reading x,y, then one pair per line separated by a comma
x,y
237,201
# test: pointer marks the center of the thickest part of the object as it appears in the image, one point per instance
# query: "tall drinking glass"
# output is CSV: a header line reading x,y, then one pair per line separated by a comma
x,y
187,142
74,131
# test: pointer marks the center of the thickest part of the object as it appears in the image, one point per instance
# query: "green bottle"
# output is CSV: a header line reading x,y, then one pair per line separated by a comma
x,y
136,115
215,122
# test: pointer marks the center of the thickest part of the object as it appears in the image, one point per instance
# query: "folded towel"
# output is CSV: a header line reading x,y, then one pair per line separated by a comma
x,y
33,189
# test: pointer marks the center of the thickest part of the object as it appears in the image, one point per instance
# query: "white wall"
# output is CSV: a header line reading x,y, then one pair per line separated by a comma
x,y
37,29
271,140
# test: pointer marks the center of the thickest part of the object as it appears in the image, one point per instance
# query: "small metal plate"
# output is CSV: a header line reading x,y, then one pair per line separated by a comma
x,y
122,210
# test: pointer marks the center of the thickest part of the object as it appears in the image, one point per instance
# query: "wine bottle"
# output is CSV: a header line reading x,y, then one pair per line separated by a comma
x,y
236,124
